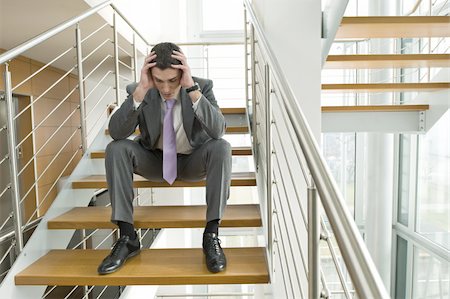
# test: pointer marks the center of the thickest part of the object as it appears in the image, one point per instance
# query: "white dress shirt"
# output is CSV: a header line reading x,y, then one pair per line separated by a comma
x,y
183,145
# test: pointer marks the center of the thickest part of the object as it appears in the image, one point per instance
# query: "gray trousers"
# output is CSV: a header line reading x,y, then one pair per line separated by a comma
x,y
125,157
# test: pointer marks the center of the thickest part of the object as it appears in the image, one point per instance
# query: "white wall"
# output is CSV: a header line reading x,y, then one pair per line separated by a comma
x,y
293,29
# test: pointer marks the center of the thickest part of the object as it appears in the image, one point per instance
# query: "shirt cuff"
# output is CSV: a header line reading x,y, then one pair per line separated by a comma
x,y
194,106
136,104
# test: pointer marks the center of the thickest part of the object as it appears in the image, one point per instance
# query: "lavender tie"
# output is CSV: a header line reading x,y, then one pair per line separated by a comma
x,y
169,145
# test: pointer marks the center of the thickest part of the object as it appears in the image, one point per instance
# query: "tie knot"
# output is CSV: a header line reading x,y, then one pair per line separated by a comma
x,y
170,103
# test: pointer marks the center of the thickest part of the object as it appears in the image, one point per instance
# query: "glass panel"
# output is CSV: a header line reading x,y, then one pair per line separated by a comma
x,y
223,15
433,186
339,152
431,276
400,275
404,179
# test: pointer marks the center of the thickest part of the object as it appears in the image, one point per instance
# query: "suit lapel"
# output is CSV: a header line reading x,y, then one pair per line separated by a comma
x,y
187,112
152,113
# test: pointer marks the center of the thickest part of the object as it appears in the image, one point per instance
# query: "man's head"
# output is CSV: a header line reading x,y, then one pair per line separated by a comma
x,y
166,78
164,53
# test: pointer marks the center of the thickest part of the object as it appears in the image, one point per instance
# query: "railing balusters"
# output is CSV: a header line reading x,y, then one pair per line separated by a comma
x,y
10,110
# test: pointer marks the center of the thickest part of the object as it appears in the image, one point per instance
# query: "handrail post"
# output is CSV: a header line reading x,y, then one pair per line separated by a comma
x,y
254,103
313,243
246,60
116,58
134,61
269,177
81,89
10,110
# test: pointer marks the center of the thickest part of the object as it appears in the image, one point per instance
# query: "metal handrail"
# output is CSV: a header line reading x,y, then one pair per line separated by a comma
x,y
8,55
363,272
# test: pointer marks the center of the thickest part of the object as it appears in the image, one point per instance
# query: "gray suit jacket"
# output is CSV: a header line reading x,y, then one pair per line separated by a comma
x,y
205,123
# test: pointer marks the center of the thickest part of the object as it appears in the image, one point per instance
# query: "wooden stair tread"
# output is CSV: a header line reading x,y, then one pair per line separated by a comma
x,y
371,61
247,215
150,267
235,151
375,108
394,26
234,110
99,181
384,87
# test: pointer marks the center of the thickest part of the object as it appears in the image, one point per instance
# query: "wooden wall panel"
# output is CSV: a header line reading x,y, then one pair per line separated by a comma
x,y
22,67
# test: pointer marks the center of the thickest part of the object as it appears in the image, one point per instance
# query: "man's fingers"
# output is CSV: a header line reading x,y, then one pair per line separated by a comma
x,y
148,66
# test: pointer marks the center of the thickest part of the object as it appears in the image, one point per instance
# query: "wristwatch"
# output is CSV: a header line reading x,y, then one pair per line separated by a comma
x,y
193,87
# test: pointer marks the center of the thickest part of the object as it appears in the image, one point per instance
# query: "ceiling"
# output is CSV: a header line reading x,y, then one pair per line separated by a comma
x,y
21,20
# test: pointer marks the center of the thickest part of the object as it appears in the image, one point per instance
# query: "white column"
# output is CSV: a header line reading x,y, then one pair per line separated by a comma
x,y
379,159
379,199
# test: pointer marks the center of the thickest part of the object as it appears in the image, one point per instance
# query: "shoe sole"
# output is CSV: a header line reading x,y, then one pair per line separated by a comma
x,y
134,253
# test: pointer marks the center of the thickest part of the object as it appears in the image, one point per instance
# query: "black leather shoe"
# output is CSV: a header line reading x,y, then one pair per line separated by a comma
x,y
215,257
123,249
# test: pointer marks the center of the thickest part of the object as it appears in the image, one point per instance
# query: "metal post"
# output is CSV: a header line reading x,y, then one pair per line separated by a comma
x,y
207,61
246,59
268,116
81,89
313,243
134,61
10,110
254,102
116,59
84,247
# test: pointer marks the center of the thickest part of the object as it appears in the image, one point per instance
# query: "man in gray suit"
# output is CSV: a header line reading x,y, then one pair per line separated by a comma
x,y
181,128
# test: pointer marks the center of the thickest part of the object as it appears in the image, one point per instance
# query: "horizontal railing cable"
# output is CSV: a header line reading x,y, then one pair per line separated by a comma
x,y
97,85
10,216
46,142
98,102
44,120
297,235
7,252
327,237
124,51
96,49
4,159
125,65
105,111
5,190
96,67
94,32
56,180
44,93
43,67
283,246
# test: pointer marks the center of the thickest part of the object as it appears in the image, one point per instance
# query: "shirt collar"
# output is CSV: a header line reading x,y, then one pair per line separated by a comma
x,y
177,98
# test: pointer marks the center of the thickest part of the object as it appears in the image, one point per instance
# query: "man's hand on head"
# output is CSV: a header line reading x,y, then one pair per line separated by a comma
x,y
186,77
146,81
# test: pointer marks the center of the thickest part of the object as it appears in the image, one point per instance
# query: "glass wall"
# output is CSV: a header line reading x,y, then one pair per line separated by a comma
x,y
433,183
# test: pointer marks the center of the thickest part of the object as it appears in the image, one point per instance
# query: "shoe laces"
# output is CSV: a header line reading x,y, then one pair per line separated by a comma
x,y
118,247
216,245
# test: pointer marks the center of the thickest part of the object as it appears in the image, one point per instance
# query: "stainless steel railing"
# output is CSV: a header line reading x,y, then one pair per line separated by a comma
x,y
295,175
69,138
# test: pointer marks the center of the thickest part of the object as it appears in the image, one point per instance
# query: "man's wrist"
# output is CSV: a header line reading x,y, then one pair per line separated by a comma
x,y
139,94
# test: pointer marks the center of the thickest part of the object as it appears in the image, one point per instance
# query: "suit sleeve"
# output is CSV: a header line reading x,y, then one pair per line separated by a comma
x,y
208,113
124,121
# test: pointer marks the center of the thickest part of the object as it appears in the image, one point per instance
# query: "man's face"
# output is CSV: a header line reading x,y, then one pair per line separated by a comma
x,y
167,81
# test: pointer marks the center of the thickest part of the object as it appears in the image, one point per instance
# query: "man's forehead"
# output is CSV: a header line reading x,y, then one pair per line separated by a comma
x,y
166,74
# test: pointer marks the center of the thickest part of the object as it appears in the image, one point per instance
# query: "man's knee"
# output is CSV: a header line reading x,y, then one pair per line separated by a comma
x,y
117,147
221,148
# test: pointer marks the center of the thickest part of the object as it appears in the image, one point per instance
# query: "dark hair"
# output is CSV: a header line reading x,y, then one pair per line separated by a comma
x,y
163,52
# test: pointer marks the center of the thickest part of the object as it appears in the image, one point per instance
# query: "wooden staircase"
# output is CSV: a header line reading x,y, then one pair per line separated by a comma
x,y
367,27
246,265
